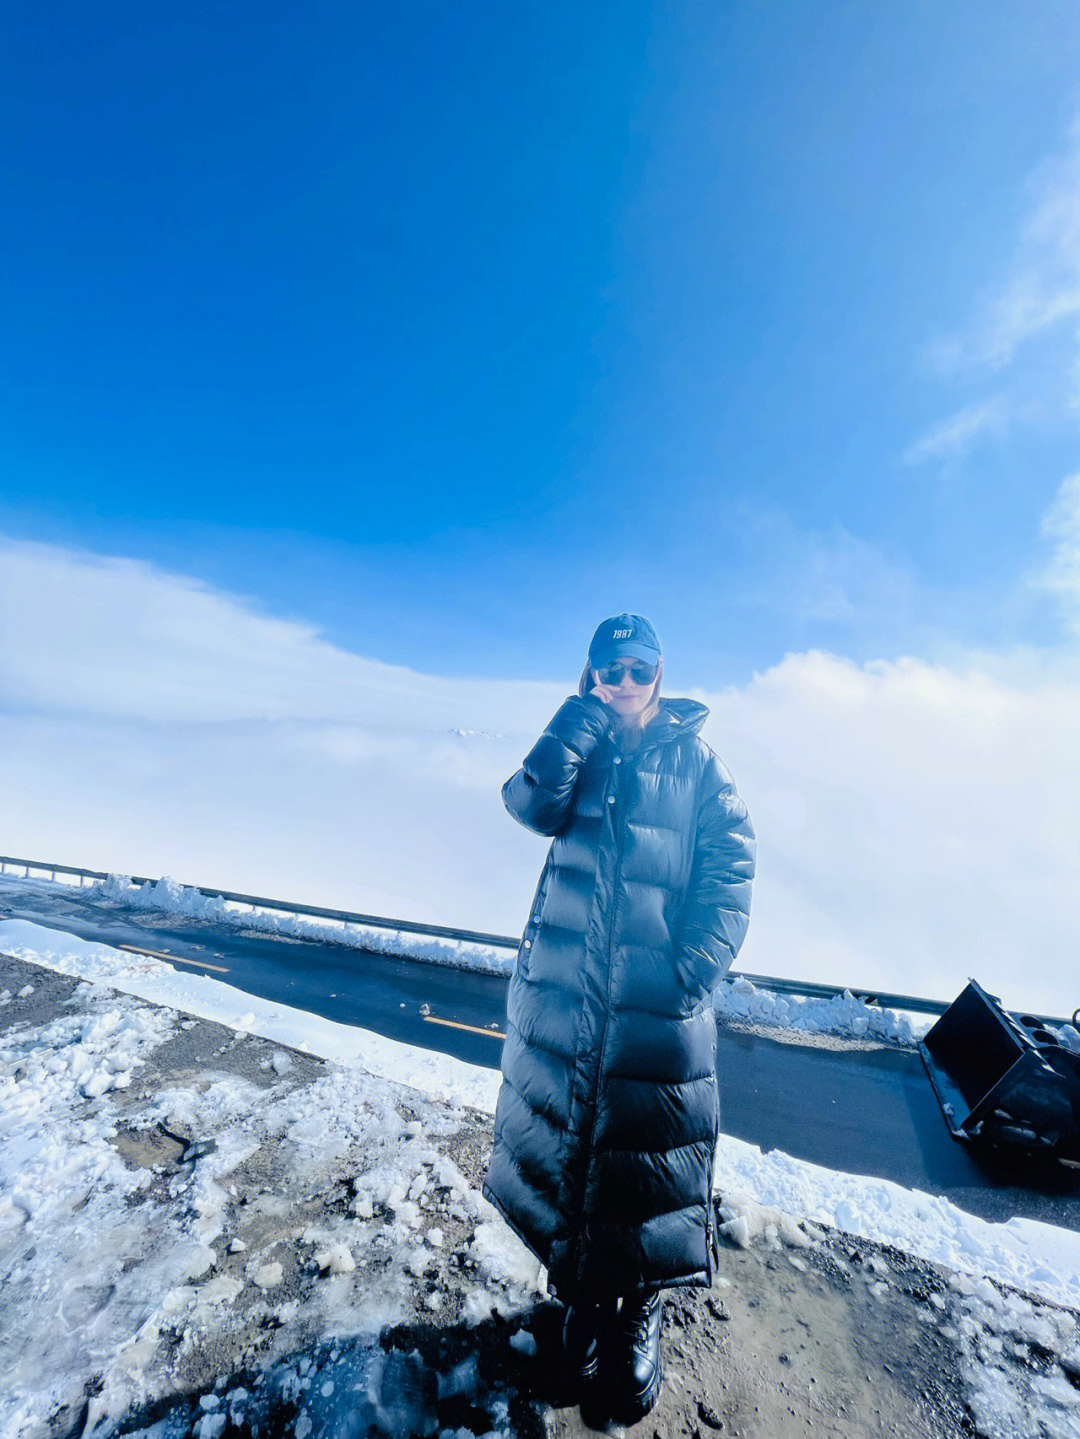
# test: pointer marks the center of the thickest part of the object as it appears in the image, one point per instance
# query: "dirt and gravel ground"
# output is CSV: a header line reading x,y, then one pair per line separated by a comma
x,y
827,1336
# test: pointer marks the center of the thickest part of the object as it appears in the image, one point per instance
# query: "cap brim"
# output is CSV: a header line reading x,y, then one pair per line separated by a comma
x,y
628,648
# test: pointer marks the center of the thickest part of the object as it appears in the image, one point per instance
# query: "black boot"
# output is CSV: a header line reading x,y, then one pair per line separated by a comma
x,y
636,1373
581,1340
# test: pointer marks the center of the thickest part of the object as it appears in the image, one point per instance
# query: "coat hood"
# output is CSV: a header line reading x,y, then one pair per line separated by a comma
x,y
676,717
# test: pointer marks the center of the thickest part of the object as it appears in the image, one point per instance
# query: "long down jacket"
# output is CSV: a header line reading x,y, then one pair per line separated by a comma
x,y
608,1115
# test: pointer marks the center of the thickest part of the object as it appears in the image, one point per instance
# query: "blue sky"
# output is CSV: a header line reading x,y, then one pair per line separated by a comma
x,y
450,329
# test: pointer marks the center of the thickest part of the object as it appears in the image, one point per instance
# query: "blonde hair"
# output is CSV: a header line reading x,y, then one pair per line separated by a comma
x,y
586,684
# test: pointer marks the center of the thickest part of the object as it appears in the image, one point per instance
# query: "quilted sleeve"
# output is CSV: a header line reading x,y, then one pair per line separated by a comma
x,y
717,907
541,794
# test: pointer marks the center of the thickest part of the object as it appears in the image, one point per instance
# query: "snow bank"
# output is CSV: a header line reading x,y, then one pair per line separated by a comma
x,y
842,1014
66,1228
170,897
1038,1258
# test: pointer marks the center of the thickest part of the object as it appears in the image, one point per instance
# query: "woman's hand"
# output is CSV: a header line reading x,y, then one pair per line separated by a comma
x,y
604,693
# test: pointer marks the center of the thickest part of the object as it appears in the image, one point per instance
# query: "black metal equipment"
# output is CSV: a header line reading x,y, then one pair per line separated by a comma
x,y
1003,1078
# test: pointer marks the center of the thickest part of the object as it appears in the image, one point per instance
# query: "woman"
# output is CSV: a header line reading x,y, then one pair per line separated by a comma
x,y
607,1120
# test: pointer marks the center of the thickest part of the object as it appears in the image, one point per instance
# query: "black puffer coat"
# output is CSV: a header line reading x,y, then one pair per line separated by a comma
x,y
606,1126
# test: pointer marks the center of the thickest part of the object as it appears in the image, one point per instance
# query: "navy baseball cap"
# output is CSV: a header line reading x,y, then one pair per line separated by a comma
x,y
624,635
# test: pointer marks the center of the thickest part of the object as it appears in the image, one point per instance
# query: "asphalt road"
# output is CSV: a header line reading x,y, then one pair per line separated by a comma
x,y
864,1111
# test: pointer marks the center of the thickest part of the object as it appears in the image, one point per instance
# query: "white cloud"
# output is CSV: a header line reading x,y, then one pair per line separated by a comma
x,y
82,633
1034,308
1061,524
955,435
832,578
1043,285
917,821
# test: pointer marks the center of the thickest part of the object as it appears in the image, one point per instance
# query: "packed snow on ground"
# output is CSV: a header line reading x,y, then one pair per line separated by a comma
x,y
1002,1339
98,1285
62,1178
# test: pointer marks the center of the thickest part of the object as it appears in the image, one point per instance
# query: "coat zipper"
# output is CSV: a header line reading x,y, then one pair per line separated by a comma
x,y
587,1142
610,943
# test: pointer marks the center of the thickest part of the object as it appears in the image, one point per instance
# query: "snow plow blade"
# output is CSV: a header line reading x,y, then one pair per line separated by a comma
x,y
1002,1078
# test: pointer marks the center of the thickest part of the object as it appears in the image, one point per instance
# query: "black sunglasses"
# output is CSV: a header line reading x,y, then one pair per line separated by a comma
x,y
640,672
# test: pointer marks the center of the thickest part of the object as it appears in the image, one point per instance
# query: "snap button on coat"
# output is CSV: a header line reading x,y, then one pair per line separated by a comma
x,y
607,1120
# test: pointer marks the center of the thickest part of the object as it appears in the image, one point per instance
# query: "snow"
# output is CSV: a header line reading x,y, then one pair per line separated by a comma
x,y
843,1014
336,1259
1039,1258
999,1335
169,897
122,1279
149,1273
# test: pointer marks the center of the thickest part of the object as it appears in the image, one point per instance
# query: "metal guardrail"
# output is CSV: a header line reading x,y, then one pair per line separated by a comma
x,y
802,988
346,916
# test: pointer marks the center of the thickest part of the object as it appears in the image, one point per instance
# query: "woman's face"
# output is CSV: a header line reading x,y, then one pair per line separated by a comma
x,y
628,698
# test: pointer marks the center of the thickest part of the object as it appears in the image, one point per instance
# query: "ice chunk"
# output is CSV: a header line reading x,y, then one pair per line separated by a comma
x,y
267,1276
336,1259
737,1230
96,1084
462,1380
418,1261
